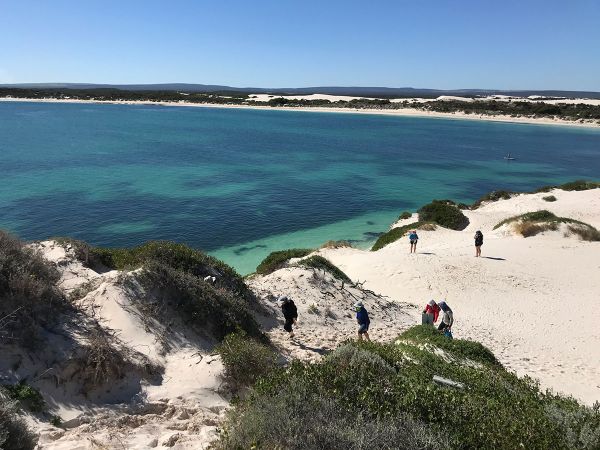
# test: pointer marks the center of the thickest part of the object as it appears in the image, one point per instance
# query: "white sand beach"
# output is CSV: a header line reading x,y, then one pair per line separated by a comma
x,y
408,111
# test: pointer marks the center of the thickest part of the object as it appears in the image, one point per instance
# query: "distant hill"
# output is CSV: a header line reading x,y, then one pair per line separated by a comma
x,y
355,91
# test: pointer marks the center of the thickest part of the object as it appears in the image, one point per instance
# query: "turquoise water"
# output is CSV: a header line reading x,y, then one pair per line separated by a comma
x,y
241,183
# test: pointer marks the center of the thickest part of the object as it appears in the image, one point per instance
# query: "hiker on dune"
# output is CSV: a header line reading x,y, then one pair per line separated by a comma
x,y
413,237
290,314
362,317
478,242
447,319
430,313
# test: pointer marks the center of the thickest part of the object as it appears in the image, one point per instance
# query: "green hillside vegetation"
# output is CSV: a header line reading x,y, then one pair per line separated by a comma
x,y
276,260
371,395
320,263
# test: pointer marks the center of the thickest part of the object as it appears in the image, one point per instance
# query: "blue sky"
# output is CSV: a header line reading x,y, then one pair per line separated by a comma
x,y
504,44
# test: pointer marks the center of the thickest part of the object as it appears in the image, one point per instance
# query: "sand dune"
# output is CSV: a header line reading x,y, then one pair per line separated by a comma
x,y
533,300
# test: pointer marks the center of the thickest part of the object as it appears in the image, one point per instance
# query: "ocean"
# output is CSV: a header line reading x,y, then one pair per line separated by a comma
x,y
240,183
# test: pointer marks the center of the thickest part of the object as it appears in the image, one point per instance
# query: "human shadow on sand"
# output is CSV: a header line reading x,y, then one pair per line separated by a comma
x,y
494,258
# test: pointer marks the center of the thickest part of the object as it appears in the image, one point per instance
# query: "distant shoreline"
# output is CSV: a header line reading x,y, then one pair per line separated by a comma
x,y
404,112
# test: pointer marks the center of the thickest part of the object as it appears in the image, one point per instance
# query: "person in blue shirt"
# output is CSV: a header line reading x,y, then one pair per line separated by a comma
x,y
413,237
362,317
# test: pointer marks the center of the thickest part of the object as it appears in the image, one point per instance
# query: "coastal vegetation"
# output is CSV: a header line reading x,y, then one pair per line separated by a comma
x,y
389,391
483,107
397,233
30,301
14,431
532,223
404,215
276,260
320,263
444,213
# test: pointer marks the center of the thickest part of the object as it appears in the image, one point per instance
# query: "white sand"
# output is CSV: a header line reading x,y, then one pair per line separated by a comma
x,y
533,301
408,111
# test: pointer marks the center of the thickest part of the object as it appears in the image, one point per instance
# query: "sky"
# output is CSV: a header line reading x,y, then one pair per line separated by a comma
x,y
453,44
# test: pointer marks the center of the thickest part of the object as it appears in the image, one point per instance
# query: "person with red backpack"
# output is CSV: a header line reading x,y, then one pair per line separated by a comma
x,y
431,313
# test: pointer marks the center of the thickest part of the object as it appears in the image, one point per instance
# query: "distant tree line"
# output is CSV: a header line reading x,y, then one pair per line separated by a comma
x,y
513,108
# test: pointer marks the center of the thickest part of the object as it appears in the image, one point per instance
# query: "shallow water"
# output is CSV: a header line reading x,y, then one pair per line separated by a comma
x,y
241,183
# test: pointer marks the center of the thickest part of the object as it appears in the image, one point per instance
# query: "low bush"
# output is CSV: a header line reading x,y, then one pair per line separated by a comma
x,y
444,214
27,396
397,233
277,260
179,257
29,297
298,419
320,263
206,307
586,233
14,432
245,360
426,334
549,198
493,196
384,383
336,244
404,215
532,223
580,185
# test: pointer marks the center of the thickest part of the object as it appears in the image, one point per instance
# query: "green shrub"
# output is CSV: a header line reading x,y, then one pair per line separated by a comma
x,y
580,424
394,234
320,263
29,297
245,360
179,257
204,306
426,334
579,185
26,395
549,198
493,196
444,214
404,215
298,419
380,382
277,260
14,432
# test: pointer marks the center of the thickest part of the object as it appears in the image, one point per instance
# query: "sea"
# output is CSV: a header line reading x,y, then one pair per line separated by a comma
x,y
241,183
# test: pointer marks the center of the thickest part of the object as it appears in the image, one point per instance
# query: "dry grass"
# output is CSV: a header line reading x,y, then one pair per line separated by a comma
x,y
528,229
428,227
103,360
585,233
336,244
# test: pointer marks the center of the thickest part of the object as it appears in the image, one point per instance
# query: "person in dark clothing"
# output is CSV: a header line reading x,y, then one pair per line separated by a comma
x,y
362,317
290,314
478,242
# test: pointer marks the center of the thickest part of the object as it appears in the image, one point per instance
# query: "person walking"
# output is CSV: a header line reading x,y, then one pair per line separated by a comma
x,y
447,319
362,317
290,314
413,237
478,243
430,313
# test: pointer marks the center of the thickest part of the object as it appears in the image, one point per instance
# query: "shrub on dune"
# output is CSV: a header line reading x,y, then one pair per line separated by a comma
x,y
380,387
443,213
320,263
532,223
277,260
14,432
29,297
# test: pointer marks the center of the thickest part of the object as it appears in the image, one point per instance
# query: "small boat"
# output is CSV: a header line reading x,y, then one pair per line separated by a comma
x,y
509,158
